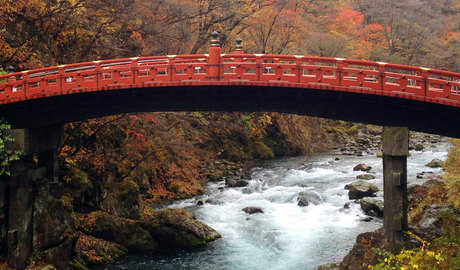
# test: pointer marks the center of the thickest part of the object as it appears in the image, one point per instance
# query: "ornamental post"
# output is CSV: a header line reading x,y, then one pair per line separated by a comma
x,y
214,58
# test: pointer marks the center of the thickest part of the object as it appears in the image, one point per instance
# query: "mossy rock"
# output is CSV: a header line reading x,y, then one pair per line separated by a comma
x,y
123,199
261,151
126,232
91,251
178,229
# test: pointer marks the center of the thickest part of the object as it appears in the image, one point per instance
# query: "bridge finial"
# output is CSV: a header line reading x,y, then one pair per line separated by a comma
x,y
215,39
239,45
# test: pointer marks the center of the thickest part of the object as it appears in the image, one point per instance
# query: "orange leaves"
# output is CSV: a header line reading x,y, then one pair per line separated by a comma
x,y
348,20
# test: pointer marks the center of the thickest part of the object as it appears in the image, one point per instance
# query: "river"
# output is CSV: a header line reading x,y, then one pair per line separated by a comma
x,y
285,236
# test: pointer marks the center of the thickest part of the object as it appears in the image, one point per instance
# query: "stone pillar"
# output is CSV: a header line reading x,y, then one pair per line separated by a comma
x,y
395,144
41,143
21,196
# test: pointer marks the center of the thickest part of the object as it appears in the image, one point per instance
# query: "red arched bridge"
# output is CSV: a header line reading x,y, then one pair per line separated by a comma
x,y
38,102
363,91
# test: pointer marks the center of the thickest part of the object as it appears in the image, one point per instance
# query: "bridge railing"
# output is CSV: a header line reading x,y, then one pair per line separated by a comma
x,y
308,72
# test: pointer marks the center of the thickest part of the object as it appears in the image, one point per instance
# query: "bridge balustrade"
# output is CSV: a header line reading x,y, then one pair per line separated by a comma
x,y
337,74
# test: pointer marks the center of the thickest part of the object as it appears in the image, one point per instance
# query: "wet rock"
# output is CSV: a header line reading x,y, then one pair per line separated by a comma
x,y
435,163
199,203
372,206
129,233
176,228
308,197
253,210
419,147
91,251
347,205
360,189
236,183
362,167
366,219
366,176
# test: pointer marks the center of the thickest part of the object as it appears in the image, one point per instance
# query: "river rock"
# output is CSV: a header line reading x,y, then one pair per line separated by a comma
x,y
236,183
362,167
253,210
308,197
176,228
419,147
435,163
129,233
372,206
366,176
360,189
91,251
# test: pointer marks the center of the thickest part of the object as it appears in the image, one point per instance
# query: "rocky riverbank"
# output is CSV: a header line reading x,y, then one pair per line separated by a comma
x,y
432,218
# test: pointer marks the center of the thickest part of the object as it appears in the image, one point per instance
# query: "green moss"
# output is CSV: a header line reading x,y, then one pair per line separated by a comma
x,y
260,151
246,121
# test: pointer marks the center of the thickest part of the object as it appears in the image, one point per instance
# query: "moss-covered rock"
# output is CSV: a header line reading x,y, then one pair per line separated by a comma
x,y
52,223
91,251
178,229
128,233
123,199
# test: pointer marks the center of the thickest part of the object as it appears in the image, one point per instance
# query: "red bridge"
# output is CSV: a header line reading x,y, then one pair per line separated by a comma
x,y
38,102
422,99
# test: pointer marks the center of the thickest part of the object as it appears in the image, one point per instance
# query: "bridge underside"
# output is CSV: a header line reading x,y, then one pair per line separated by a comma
x,y
371,109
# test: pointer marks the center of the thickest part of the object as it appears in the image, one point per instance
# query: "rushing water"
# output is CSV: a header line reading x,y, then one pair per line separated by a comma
x,y
285,236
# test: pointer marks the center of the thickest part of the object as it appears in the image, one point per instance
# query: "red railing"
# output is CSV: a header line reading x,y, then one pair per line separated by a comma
x,y
336,74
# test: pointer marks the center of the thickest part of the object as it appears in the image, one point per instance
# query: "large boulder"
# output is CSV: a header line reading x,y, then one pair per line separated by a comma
x,y
363,253
362,167
252,210
178,229
360,189
435,163
91,252
308,197
372,206
126,232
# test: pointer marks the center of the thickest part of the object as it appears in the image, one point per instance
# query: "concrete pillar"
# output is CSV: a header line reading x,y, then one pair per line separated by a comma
x,y
395,144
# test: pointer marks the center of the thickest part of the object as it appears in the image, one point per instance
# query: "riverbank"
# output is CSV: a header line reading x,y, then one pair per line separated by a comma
x,y
433,239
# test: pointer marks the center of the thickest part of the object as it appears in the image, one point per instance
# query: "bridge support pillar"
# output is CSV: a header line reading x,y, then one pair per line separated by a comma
x,y
38,162
395,144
